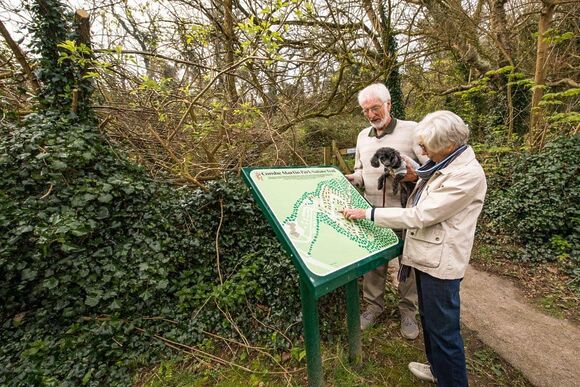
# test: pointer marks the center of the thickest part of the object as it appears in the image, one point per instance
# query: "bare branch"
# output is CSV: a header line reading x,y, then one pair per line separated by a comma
x,y
565,81
33,81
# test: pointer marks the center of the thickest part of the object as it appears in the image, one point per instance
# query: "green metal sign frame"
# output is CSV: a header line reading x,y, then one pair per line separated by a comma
x,y
313,287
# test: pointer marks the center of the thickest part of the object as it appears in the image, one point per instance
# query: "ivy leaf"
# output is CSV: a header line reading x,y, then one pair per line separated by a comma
x,y
105,198
146,295
87,377
23,229
155,246
50,283
162,284
28,274
79,232
103,213
59,165
17,320
92,300
42,156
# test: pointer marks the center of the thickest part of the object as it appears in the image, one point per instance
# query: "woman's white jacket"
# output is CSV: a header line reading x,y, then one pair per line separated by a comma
x,y
440,229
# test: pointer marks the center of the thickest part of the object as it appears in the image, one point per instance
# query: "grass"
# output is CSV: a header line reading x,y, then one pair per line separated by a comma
x,y
338,371
385,358
485,367
545,285
558,303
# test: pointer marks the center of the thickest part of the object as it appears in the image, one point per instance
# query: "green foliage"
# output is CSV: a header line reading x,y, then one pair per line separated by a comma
x,y
197,35
572,118
60,71
96,258
260,30
501,70
554,36
484,106
393,83
533,199
561,119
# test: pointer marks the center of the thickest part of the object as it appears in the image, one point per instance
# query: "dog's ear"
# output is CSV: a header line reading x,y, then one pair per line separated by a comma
x,y
375,160
395,159
384,160
380,154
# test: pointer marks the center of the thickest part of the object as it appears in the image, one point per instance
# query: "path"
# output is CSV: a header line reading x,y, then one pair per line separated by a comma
x,y
546,350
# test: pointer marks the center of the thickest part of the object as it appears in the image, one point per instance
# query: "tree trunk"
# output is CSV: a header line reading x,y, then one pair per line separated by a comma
x,y
390,65
83,26
501,34
83,31
537,133
229,46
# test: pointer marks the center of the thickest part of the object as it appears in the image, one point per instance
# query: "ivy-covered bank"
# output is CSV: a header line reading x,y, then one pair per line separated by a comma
x,y
96,258
532,206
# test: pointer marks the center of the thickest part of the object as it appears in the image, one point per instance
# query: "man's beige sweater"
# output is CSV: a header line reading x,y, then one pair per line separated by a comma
x,y
399,135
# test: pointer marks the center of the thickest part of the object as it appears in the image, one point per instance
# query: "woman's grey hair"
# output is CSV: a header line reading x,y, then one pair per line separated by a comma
x,y
376,90
441,129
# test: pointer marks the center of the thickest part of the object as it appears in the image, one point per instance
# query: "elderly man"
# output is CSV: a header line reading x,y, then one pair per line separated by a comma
x,y
385,131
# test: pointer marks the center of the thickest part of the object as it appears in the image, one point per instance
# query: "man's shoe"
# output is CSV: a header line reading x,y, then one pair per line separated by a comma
x,y
368,317
409,328
422,371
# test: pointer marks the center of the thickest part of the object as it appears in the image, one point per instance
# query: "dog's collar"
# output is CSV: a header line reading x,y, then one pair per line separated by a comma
x,y
388,130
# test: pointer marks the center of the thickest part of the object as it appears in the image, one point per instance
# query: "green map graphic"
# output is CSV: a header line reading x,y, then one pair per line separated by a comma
x,y
306,203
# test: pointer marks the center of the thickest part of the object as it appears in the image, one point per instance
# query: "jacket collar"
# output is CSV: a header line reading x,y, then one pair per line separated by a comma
x,y
388,130
463,159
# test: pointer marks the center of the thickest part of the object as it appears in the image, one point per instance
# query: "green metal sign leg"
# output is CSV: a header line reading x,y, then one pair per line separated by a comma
x,y
353,322
311,335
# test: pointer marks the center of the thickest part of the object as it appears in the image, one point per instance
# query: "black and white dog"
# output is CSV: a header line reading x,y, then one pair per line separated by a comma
x,y
395,167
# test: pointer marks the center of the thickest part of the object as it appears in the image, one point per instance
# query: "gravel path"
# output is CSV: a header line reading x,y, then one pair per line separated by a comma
x,y
545,349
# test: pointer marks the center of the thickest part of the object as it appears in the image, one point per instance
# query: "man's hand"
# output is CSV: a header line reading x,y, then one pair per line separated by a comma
x,y
411,175
354,213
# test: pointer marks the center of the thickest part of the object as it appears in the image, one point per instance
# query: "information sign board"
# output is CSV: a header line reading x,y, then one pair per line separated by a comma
x,y
304,204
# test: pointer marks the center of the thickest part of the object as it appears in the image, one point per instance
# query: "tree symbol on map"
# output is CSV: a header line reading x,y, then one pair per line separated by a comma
x,y
323,206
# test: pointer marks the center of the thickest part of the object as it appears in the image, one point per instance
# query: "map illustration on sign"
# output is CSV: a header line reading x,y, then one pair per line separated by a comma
x,y
306,203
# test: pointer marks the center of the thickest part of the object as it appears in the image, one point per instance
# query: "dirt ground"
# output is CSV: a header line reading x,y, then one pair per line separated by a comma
x,y
545,349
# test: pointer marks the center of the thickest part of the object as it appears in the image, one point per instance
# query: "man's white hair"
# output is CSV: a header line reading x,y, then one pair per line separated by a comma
x,y
441,129
376,90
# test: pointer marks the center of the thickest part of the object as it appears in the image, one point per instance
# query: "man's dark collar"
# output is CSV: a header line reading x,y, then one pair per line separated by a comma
x,y
388,130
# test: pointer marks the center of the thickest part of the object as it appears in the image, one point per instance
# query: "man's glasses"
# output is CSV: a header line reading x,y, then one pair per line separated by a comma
x,y
375,109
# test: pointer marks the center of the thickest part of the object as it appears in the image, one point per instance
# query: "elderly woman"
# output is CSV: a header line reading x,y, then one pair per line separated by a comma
x,y
439,220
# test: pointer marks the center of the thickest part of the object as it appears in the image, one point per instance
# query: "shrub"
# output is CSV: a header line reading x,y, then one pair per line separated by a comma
x,y
96,258
534,199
